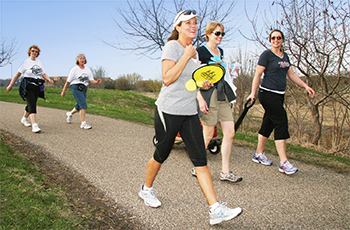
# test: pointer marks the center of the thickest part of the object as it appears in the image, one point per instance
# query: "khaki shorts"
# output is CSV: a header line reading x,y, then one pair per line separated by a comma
x,y
219,111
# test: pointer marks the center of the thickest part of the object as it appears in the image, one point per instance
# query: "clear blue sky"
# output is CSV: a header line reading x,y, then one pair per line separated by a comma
x,y
63,29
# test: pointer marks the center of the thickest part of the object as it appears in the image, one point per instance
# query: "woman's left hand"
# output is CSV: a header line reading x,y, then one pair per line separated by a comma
x,y
207,85
311,91
99,81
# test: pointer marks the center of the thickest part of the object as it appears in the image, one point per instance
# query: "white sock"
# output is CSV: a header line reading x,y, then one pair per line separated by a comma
x,y
25,118
145,188
214,206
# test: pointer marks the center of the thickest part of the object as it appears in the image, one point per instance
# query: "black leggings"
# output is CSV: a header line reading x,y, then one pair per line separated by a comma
x,y
275,117
32,97
191,132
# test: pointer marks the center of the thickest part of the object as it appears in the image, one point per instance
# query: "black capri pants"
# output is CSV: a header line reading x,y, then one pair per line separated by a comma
x,y
32,97
191,132
275,117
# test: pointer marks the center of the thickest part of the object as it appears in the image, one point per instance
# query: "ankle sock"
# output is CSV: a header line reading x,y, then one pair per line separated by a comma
x,y
214,206
145,188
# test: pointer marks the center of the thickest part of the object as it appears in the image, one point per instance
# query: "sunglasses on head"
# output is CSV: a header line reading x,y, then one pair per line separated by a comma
x,y
278,38
186,12
218,33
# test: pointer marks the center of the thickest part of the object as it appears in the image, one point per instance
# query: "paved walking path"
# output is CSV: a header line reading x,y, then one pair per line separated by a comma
x,y
114,153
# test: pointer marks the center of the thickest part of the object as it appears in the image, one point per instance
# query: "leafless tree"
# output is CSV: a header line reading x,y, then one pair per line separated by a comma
x,y
148,24
7,52
317,37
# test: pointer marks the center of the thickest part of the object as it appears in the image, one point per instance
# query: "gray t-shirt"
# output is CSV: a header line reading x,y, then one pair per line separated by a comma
x,y
175,99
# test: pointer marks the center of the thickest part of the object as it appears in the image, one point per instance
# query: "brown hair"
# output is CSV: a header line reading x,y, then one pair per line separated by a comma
x,y
35,47
77,59
211,27
276,30
174,34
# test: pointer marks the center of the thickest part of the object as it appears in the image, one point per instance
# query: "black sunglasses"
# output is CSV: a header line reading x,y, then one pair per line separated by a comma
x,y
188,12
278,38
218,33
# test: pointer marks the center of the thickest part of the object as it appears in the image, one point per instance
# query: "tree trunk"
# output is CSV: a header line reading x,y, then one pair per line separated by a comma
x,y
318,127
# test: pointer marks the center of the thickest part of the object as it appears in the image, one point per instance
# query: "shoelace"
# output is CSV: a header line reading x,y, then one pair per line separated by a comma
x,y
263,157
288,165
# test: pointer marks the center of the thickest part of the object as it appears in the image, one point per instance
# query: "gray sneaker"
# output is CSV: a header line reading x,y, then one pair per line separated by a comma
x,y
223,213
150,198
230,177
287,168
261,158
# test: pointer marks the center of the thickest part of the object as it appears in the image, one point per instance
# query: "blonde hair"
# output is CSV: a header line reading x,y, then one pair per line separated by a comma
x,y
77,59
35,47
211,27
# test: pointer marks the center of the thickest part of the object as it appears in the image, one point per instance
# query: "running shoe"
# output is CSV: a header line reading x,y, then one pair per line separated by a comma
x,y
149,197
85,125
69,117
35,128
223,213
261,158
25,122
230,177
287,168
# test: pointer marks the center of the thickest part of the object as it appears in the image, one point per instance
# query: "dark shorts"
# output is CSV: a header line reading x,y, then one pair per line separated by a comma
x,y
32,97
275,117
80,97
191,132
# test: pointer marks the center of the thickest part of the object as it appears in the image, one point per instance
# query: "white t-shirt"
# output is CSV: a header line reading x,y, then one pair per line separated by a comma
x,y
80,76
32,69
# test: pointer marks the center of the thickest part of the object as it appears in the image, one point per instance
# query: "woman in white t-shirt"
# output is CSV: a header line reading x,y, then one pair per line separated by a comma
x,y
31,86
78,79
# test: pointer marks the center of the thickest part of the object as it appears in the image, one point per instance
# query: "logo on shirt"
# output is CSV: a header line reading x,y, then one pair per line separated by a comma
x,y
36,70
284,64
83,77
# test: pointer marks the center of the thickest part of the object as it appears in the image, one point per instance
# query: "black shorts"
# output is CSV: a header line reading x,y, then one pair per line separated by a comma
x,y
191,132
275,117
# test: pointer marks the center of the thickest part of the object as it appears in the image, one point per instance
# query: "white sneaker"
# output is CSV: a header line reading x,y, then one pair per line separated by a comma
x,y
150,198
223,213
85,125
69,117
25,122
35,128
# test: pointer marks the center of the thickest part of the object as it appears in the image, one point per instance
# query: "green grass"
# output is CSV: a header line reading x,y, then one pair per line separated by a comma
x,y
111,103
26,201
138,108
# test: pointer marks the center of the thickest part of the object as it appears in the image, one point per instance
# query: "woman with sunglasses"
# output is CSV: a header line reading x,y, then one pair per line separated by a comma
x,y
275,65
215,103
177,112
31,86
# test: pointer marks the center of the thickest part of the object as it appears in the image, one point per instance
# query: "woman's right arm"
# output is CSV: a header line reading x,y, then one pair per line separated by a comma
x,y
63,93
14,79
258,72
172,70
